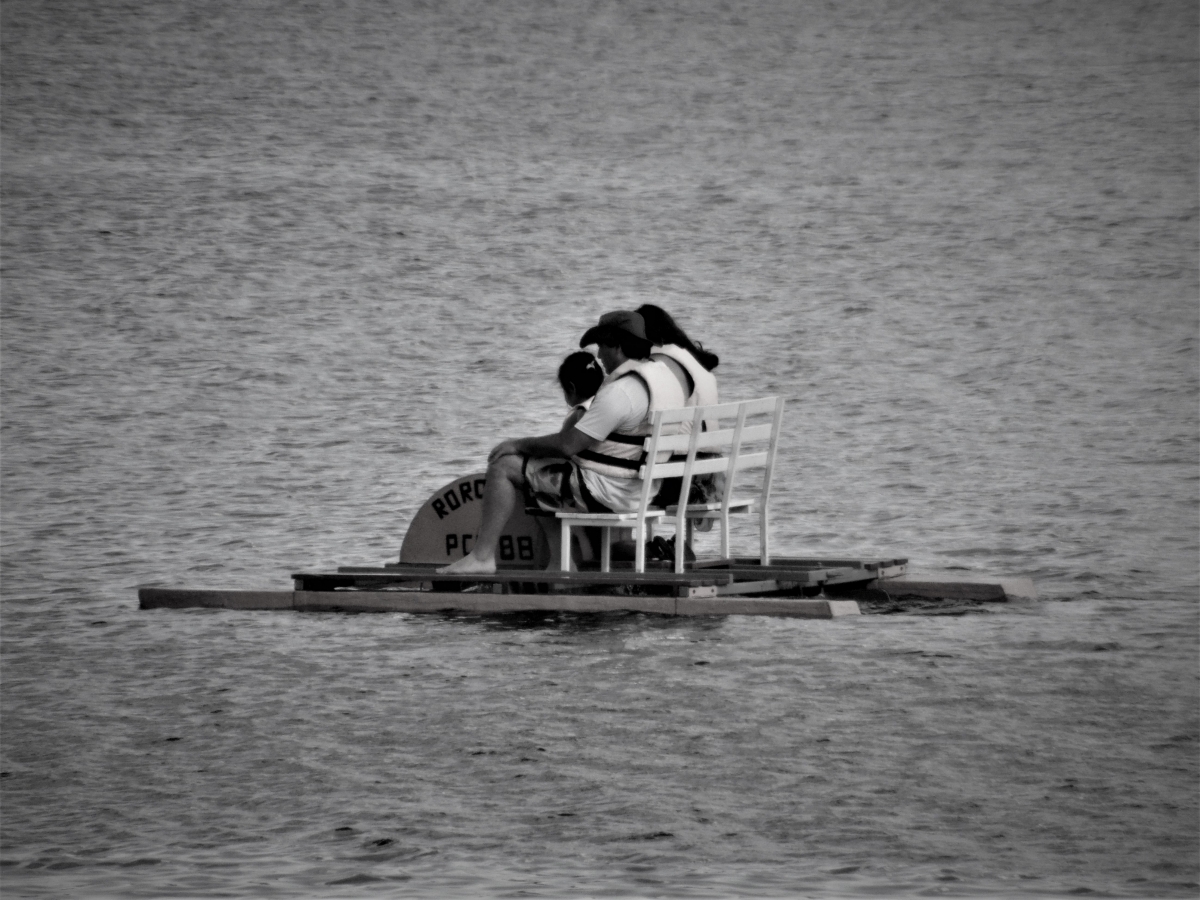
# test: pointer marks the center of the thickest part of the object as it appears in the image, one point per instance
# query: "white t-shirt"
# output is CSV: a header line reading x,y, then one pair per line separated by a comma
x,y
620,405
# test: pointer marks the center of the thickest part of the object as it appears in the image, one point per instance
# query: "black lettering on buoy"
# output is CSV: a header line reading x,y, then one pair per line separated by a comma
x,y
451,499
525,546
479,485
451,544
440,508
506,547
466,549
465,490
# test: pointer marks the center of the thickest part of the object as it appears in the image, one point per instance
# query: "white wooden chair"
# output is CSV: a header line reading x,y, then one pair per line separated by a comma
x,y
749,441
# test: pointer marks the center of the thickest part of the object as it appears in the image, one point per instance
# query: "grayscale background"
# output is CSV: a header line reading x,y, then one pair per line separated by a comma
x,y
273,272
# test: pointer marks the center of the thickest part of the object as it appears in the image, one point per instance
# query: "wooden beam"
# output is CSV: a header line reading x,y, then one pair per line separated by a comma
x,y
818,608
433,601
183,598
490,604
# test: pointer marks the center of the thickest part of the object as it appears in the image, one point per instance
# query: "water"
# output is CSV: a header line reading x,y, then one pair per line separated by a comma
x,y
273,273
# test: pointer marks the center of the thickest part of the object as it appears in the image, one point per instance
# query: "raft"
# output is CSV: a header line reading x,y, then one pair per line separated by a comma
x,y
443,529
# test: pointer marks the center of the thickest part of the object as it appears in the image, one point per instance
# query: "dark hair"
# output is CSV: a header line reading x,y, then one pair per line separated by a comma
x,y
631,345
661,329
581,374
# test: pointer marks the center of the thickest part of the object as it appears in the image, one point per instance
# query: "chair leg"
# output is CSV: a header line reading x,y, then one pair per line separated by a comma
x,y
605,549
564,549
639,547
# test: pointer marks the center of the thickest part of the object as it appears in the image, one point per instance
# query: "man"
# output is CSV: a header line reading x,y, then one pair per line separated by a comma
x,y
592,467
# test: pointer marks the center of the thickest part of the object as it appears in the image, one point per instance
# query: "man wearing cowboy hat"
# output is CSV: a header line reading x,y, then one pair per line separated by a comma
x,y
592,467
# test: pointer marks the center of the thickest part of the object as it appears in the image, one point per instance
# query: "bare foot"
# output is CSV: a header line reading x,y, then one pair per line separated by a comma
x,y
469,565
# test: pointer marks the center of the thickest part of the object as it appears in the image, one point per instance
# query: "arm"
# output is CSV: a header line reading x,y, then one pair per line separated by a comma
x,y
563,443
569,421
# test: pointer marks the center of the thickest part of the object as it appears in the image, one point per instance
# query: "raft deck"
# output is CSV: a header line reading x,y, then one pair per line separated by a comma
x,y
798,587
713,578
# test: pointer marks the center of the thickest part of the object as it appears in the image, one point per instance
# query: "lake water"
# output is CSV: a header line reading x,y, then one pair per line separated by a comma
x,y
272,273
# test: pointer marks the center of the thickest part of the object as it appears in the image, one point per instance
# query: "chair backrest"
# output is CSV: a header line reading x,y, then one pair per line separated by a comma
x,y
747,437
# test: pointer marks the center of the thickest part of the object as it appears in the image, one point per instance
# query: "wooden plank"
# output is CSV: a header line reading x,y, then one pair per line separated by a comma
x,y
796,575
735,581
767,606
813,562
733,573
850,576
484,604
799,576
488,604
326,581
742,588
182,598
781,562
941,590
503,576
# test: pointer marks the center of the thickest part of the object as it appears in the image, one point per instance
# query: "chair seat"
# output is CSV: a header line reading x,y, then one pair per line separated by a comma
x,y
642,523
577,518
713,510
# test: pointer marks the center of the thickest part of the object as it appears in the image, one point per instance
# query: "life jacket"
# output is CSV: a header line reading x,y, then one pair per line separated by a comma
x,y
704,391
622,453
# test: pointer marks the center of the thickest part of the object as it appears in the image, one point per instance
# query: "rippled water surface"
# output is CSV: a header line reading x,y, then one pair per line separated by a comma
x,y
274,272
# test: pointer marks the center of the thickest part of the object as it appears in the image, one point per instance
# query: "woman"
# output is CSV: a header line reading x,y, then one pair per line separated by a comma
x,y
691,363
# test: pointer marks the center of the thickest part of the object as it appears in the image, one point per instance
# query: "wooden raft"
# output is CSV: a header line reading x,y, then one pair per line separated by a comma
x,y
787,587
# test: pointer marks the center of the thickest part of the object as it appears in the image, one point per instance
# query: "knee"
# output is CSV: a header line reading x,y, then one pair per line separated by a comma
x,y
508,467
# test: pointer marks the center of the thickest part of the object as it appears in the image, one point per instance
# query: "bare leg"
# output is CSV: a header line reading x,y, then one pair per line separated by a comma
x,y
500,498
551,532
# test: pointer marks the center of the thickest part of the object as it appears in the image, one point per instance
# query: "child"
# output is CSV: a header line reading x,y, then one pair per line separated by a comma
x,y
580,376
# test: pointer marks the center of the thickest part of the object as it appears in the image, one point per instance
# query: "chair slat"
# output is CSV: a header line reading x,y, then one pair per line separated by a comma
x,y
749,460
713,440
763,405
721,410
715,411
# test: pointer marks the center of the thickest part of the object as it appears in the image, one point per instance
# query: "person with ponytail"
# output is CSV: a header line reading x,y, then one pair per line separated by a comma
x,y
691,363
